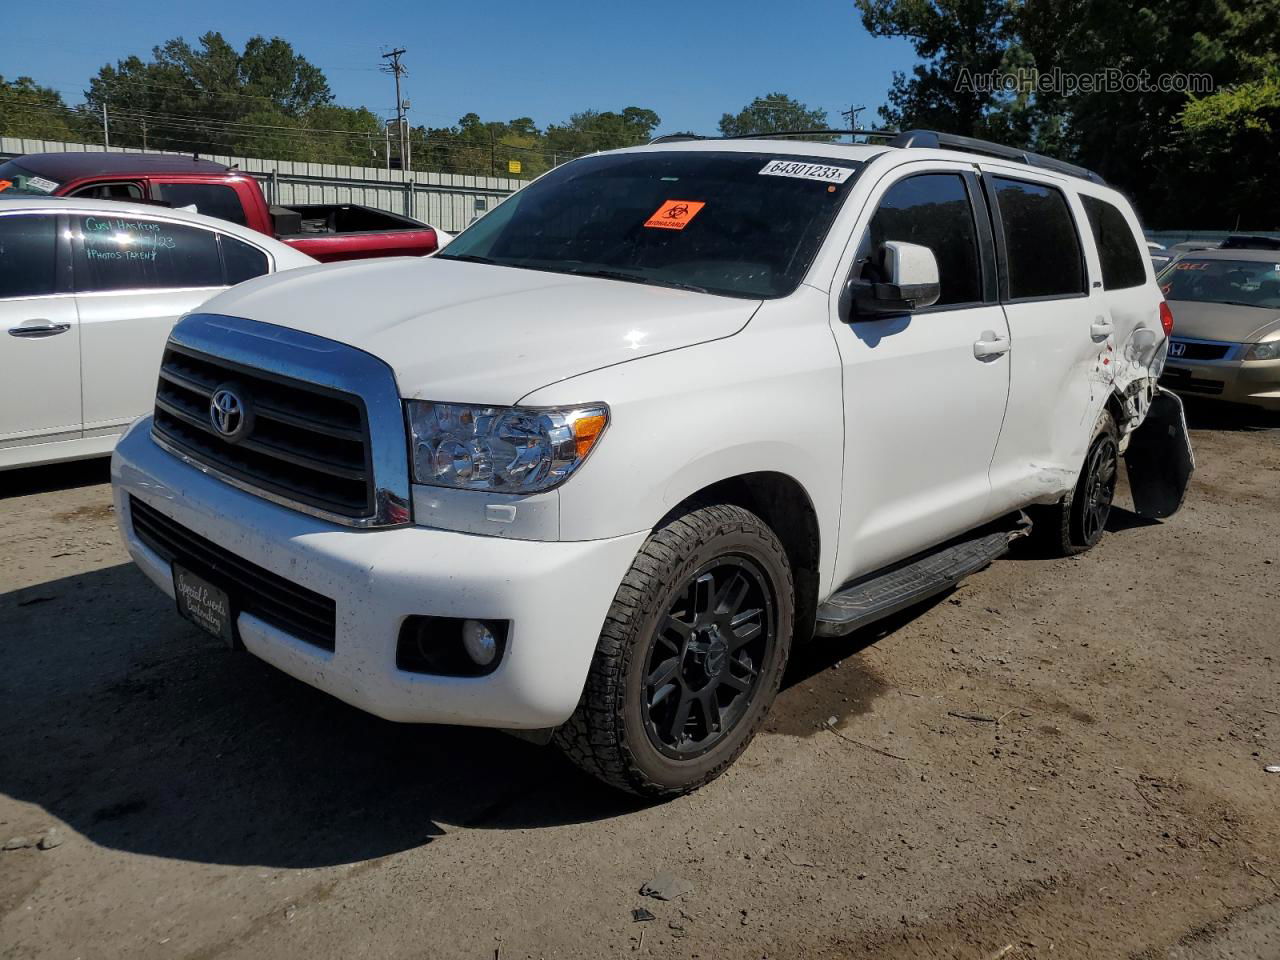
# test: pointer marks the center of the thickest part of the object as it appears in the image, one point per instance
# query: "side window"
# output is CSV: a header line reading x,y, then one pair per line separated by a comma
x,y
110,191
1040,239
934,211
1123,263
28,256
211,199
126,253
243,261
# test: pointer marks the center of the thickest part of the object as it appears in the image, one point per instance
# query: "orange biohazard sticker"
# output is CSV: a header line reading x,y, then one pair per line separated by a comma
x,y
674,214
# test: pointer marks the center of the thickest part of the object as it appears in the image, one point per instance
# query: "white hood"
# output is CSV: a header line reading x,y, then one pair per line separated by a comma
x,y
475,333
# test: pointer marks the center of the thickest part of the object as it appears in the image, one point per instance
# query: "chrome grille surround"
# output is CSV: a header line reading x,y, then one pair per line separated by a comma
x,y
318,367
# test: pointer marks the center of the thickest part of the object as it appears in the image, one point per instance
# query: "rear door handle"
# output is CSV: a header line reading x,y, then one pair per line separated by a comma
x,y
1101,328
36,329
990,345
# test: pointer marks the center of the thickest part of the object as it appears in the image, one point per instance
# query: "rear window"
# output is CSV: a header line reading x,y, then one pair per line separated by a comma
x,y
1245,283
128,253
735,224
243,261
1040,239
1123,262
211,199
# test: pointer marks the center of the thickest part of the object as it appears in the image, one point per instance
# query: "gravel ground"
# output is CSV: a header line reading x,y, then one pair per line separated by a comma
x,y
1061,758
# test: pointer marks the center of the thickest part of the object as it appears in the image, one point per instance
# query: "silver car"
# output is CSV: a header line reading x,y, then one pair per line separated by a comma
x,y
1226,313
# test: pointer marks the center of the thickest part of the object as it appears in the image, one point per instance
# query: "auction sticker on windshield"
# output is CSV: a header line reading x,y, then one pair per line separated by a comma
x,y
807,171
674,214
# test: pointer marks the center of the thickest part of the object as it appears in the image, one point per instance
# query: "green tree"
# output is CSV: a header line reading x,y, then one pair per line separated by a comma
x,y
1236,128
772,113
949,36
30,110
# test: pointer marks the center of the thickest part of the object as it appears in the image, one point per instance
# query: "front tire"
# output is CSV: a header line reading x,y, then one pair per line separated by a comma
x,y
690,657
1077,522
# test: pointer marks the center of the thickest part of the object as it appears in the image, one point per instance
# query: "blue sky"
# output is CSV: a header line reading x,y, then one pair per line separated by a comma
x,y
690,61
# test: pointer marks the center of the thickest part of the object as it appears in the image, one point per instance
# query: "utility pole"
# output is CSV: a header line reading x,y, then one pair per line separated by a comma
x,y
144,134
852,115
106,130
398,70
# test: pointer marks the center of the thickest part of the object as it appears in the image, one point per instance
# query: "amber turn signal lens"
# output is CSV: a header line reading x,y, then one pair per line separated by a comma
x,y
586,431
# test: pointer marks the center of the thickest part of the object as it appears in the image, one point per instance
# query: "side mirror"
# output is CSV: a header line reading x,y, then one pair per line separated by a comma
x,y
904,278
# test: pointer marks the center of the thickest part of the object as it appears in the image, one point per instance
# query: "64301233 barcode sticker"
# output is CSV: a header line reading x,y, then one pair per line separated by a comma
x,y
803,170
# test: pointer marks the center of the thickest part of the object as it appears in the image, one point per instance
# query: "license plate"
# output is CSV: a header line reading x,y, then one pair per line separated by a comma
x,y
205,605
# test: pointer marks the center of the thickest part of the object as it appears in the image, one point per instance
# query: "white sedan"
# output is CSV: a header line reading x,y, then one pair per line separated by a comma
x,y
89,290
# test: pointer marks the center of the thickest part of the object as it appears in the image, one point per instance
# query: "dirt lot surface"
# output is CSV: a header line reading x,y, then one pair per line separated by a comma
x,y
1063,758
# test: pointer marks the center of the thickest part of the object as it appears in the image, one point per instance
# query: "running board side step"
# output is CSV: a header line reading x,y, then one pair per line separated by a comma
x,y
918,578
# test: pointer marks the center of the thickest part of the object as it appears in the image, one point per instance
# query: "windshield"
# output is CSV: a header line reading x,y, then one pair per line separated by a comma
x,y
16,179
736,224
1248,283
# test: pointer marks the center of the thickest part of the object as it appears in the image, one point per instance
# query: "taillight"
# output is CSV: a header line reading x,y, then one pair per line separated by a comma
x,y
1166,318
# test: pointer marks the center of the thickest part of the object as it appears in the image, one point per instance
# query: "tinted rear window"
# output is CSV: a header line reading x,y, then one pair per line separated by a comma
x,y
738,224
243,261
1040,239
211,199
1123,262
128,253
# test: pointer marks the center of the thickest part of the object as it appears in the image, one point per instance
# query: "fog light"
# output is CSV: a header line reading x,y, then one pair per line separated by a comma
x,y
479,642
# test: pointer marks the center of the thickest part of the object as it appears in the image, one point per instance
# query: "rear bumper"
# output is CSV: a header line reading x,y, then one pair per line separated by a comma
x,y
1234,381
555,595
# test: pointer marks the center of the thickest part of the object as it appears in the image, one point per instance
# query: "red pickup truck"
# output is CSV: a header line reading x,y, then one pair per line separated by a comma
x,y
336,231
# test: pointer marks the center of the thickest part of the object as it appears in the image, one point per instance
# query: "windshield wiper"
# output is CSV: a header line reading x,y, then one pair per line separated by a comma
x,y
638,278
467,257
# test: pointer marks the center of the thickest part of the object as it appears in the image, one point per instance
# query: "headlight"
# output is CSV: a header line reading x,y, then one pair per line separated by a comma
x,y
1264,351
501,449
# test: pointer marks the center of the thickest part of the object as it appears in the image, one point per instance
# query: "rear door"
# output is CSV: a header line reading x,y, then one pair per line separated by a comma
x,y
134,277
1060,333
39,333
923,401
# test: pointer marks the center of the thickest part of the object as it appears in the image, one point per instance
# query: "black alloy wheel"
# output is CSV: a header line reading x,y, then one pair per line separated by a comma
x,y
1099,488
702,668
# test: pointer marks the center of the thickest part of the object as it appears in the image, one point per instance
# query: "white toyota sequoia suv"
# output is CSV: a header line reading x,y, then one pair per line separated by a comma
x,y
588,474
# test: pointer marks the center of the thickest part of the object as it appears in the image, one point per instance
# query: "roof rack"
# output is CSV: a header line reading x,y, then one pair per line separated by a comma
x,y
932,139
922,139
681,137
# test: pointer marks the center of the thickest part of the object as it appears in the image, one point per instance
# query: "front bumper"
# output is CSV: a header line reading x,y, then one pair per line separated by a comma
x,y
555,594
1254,382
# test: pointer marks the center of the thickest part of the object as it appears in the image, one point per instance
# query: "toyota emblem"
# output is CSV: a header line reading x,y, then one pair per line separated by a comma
x,y
229,413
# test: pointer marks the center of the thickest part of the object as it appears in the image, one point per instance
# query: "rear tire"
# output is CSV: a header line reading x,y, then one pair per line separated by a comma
x,y
1077,522
690,657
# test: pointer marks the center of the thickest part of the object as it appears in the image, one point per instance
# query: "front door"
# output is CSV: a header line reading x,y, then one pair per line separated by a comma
x,y
925,392
39,334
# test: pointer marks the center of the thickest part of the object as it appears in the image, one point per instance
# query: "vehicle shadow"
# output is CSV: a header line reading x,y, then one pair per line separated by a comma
x,y
55,476
144,735
1210,415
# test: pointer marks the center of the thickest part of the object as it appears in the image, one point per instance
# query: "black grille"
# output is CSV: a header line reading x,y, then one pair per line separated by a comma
x,y
1182,380
307,443
1198,351
297,611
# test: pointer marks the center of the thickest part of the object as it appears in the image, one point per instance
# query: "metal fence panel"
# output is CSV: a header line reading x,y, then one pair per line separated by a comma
x,y
448,201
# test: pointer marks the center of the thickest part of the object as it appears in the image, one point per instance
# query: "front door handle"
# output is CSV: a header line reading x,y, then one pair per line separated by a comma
x,y
990,345
36,329
1101,328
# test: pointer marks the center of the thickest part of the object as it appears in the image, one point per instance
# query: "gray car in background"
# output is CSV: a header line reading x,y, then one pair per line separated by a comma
x,y
1226,339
